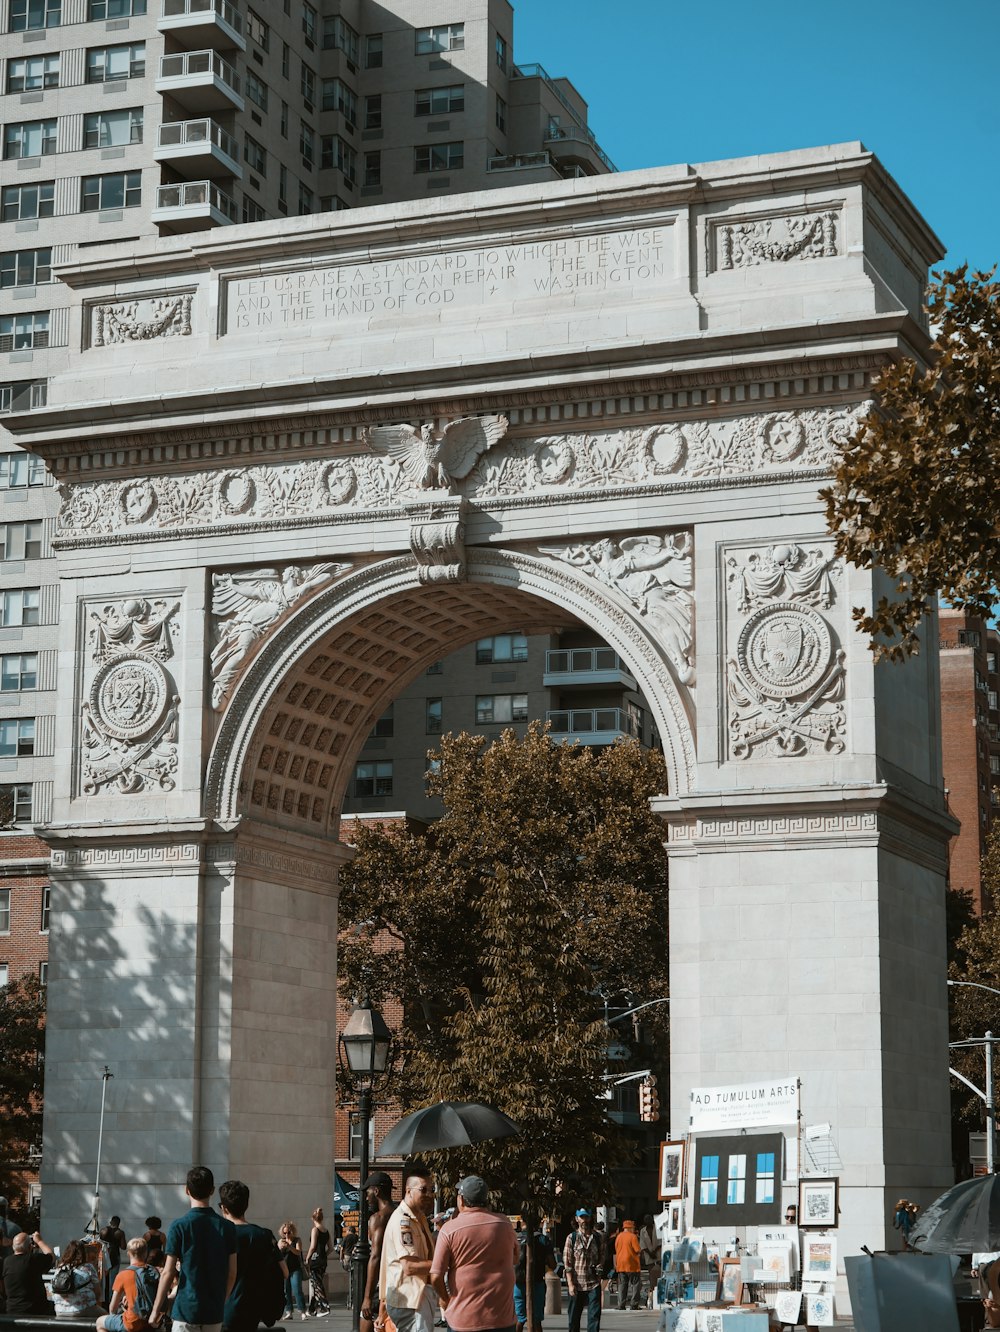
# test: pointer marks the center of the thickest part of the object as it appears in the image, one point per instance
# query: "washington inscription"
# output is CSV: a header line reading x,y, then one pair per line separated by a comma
x,y
624,261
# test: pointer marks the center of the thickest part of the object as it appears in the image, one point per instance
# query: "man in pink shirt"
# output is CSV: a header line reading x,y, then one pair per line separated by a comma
x,y
476,1253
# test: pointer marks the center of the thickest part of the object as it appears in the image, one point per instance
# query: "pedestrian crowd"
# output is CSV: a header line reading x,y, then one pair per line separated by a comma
x,y
465,1268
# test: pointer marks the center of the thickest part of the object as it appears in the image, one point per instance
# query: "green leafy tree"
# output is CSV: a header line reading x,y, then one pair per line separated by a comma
x,y
22,1046
916,491
974,960
543,883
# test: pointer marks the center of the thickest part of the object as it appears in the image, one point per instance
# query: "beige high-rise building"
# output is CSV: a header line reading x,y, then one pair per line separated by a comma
x,y
126,118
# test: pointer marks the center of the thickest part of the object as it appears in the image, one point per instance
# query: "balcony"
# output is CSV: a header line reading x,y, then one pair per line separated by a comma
x,y
579,127
590,726
531,167
198,148
196,23
577,147
586,666
200,81
195,206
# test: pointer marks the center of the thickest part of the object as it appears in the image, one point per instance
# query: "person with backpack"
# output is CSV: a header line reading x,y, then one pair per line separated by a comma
x,y
258,1294
76,1287
132,1294
583,1259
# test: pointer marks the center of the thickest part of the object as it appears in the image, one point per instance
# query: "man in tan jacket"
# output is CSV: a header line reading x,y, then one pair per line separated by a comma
x,y
407,1249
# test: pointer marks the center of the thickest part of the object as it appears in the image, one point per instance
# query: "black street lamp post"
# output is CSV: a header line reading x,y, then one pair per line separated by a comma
x,y
364,1059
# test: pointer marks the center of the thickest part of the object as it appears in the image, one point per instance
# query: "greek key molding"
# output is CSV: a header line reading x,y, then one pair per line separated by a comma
x,y
245,855
128,856
767,827
552,468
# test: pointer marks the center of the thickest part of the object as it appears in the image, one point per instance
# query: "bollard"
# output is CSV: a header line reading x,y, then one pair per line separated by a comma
x,y
553,1293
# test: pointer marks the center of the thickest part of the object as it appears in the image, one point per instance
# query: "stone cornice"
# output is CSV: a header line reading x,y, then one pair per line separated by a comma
x,y
721,390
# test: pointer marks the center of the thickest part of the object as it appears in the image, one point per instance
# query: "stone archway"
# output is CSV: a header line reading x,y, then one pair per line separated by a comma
x,y
621,407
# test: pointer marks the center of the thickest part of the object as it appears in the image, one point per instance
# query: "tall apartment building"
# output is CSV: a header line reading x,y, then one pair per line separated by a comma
x,y
129,118
970,739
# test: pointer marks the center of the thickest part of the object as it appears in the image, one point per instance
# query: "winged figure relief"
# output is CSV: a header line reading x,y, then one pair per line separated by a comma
x,y
434,458
248,604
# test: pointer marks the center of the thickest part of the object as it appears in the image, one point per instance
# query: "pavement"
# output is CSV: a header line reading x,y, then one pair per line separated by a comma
x,y
612,1320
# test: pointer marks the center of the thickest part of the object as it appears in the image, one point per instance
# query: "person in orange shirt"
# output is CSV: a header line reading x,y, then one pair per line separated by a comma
x,y
628,1265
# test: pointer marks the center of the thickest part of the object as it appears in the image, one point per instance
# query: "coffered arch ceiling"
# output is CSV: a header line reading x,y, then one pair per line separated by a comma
x,y
290,734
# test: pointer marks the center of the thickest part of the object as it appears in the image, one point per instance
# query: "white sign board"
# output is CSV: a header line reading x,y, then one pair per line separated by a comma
x,y
751,1105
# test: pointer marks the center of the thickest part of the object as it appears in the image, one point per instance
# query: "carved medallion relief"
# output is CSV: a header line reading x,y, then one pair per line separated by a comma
x,y
470,458
785,667
129,716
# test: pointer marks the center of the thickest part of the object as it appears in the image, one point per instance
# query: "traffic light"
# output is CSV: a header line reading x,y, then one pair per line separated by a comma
x,y
649,1101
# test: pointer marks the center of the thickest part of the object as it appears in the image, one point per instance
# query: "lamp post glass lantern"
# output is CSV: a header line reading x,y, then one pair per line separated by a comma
x,y
365,1045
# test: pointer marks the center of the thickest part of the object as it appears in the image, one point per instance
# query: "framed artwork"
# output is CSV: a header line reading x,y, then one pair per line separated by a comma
x,y
671,1170
730,1281
819,1310
819,1203
819,1258
775,1259
677,1217
710,1320
737,1181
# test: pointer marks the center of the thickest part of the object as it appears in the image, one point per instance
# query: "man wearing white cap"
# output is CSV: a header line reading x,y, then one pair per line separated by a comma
x,y
476,1254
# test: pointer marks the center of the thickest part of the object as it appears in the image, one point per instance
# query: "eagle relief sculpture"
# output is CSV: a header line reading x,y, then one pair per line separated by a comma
x,y
433,457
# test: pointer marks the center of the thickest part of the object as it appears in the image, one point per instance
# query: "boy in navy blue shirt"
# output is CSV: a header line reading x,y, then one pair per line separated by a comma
x,y
202,1245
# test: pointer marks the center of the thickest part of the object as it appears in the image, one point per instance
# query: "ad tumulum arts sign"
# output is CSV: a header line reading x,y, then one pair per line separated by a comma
x,y
300,461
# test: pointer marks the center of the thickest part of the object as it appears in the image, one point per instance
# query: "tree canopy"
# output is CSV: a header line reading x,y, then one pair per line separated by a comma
x,y
916,490
22,1045
974,956
542,886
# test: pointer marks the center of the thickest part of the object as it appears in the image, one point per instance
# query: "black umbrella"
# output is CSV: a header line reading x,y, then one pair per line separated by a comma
x,y
446,1124
966,1219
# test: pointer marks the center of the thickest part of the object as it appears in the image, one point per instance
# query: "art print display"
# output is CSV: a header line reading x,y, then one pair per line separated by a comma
x,y
710,1320
818,1203
819,1310
781,1235
738,1181
671,1170
775,1261
681,1320
787,1306
819,1258
730,1281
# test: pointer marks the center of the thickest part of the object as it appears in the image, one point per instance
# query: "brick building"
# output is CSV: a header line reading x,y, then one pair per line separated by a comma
x,y
970,737
24,907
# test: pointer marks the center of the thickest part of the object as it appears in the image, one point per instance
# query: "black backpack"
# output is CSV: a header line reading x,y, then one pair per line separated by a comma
x,y
64,1281
272,1288
147,1279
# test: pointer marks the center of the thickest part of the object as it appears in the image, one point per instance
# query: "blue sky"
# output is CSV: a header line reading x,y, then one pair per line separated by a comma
x,y
917,82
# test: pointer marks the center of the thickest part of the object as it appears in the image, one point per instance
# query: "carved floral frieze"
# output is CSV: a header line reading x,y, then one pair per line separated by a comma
x,y
680,452
129,715
784,671
777,240
141,320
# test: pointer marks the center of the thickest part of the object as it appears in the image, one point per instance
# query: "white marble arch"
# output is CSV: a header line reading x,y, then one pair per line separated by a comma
x,y
277,665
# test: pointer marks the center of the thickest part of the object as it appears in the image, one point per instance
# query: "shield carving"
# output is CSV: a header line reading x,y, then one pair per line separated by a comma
x,y
128,696
783,648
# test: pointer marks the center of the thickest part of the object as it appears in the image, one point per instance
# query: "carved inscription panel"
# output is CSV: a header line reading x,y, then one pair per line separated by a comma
x,y
627,262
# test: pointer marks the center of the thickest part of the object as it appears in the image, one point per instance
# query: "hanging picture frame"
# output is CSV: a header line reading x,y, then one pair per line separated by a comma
x,y
819,1203
730,1281
819,1258
672,1169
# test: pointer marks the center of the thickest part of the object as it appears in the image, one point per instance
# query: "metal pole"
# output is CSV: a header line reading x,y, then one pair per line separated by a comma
x,y
990,1138
362,1250
95,1224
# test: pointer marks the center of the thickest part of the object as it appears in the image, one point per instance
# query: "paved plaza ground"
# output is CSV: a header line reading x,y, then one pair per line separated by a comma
x,y
612,1320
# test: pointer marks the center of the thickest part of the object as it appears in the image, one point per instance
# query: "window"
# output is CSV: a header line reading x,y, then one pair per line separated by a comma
x,y
432,715
991,662
337,153
504,647
354,1138
21,469
252,210
4,974
448,37
105,64
112,9
332,203
112,129
337,96
28,14
438,157
258,30
968,637
435,668
30,138
307,85
373,168
501,114
310,22
736,1184
4,911
32,74
286,60
283,120
283,186
765,1177
18,670
373,51
439,101
338,35
494,708
15,804
307,146
373,112
257,90
43,973
254,155
17,737
46,908
305,200
500,51
22,202
25,268
118,189
384,727
708,1188
993,699
21,541
19,606
373,779
23,395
